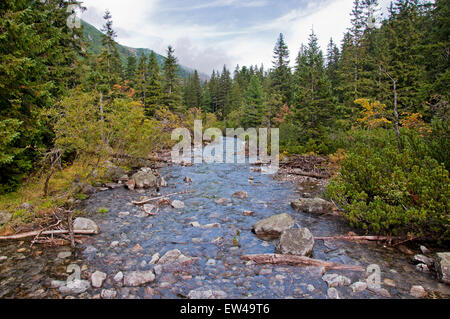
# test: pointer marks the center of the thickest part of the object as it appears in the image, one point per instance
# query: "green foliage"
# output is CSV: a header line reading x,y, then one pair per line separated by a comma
x,y
393,193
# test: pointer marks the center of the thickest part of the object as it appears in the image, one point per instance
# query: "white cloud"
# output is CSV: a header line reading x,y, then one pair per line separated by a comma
x,y
209,46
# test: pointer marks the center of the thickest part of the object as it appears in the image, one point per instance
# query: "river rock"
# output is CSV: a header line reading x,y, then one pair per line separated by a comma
x,y
84,188
248,213
443,267
240,194
332,293
145,178
195,224
4,218
221,201
64,254
97,279
81,223
207,293
312,205
163,182
358,286
418,292
272,227
177,204
113,172
131,184
138,278
424,260
424,250
154,259
295,242
75,287
187,179
118,277
335,280
108,294
148,209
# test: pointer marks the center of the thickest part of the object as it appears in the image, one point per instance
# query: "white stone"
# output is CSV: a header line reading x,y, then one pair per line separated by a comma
x,y
118,277
97,279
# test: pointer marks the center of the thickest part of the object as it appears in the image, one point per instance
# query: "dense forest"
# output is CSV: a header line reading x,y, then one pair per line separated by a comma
x,y
377,104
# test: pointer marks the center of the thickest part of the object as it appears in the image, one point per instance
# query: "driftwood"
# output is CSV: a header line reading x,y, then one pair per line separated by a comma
x,y
48,232
276,259
159,197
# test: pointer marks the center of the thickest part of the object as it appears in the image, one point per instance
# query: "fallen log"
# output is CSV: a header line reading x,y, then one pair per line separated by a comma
x,y
307,174
48,232
359,238
156,198
276,259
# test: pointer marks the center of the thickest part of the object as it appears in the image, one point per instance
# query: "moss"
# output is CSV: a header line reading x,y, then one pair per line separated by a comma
x,y
102,210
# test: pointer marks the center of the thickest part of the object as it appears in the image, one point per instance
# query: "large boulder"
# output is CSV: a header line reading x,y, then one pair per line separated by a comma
x,y
443,267
81,223
4,218
312,205
272,227
295,242
145,178
84,188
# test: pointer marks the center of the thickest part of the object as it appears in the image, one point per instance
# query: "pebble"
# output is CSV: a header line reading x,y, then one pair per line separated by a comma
x,y
211,262
114,244
124,214
3,258
118,277
389,282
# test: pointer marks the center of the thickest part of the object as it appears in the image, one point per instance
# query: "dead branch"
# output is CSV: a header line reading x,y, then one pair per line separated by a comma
x,y
48,232
276,259
157,198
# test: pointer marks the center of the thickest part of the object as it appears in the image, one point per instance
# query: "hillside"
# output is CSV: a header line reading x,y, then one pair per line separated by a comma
x,y
95,38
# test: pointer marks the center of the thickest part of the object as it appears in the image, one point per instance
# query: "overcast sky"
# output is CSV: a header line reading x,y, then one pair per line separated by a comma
x,y
207,34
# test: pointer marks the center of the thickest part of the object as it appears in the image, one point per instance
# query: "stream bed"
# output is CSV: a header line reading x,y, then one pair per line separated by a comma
x,y
26,272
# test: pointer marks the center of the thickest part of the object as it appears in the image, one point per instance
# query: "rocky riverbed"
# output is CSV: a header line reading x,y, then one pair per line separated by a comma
x,y
191,247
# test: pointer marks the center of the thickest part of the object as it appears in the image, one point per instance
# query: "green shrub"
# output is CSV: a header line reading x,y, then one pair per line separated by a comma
x,y
389,192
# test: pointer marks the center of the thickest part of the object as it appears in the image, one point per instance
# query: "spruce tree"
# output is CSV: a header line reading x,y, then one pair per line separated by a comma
x,y
153,86
171,82
281,73
254,104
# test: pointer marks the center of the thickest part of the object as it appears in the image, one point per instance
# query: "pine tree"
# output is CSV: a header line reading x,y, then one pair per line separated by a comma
x,y
333,60
130,72
171,82
313,90
281,74
141,80
38,64
153,86
254,104
109,60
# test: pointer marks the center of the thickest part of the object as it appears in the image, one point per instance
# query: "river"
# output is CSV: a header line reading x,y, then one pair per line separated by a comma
x,y
26,272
